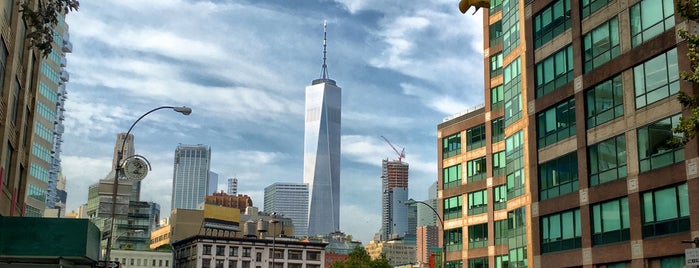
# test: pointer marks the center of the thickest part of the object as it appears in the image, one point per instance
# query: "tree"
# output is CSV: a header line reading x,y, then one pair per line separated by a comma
x,y
689,124
359,258
42,19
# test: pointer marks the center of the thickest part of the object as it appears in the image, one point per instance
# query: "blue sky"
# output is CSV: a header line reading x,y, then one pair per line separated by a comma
x,y
242,66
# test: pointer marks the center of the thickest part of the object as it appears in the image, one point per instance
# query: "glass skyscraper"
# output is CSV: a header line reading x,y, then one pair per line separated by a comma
x,y
190,178
290,200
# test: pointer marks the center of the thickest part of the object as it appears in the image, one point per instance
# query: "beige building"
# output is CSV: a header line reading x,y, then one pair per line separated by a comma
x,y
140,258
395,251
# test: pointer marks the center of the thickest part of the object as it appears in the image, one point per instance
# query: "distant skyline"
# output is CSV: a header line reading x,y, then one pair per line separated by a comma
x,y
242,67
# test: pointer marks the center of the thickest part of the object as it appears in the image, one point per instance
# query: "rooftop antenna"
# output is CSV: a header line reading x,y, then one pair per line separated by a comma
x,y
324,77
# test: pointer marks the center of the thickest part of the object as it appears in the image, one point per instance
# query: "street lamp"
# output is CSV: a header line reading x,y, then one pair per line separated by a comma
x,y
183,110
274,236
138,231
411,202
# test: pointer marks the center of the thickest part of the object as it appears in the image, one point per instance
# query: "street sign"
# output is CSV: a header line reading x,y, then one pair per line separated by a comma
x,y
111,264
691,256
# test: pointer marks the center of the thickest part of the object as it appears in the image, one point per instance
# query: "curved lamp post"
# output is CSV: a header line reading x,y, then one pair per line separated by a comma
x,y
137,231
411,202
183,110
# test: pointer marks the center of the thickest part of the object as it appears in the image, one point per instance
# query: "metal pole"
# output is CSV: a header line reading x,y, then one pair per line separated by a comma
x,y
274,236
444,242
117,170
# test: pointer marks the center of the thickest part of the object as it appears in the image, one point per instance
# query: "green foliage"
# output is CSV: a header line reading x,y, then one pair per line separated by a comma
x,y
42,19
359,258
689,124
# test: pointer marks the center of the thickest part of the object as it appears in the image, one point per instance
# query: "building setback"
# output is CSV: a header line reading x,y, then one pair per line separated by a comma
x,y
566,164
290,200
190,180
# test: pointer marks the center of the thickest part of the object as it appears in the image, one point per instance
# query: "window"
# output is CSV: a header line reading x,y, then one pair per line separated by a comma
x,y
558,176
514,157
501,234
561,231
294,255
665,211
601,45
233,251
495,6
649,18
220,250
247,252
500,197
452,208
607,160
556,123
218,263
673,261
496,97
496,65
656,79
590,6
478,262
517,241
604,102
610,222
278,253
512,81
551,21
510,24
454,239
207,250
476,169
454,264
501,261
3,61
451,145
476,137
451,176
498,163
498,129
554,71
8,164
15,100
232,263
258,256
313,255
495,31
478,202
478,236
36,192
653,151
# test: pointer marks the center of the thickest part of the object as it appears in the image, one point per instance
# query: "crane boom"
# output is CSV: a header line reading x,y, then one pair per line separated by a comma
x,y
401,154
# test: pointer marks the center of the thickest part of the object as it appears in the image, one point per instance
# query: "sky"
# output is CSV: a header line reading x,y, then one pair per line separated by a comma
x,y
242,66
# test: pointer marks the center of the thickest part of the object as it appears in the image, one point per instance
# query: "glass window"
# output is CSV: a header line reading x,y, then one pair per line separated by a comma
x,y
476,169
514,157
607,160
601,45
649,18
454,239
233,251
496,97
554,71
590,6
656,79
478,202
454,264
452,208
604,102
665,211
653,150
496,65
451,145
561,231
476,137
556,123
610,222
510,24
501,234
558,176
478,262
498,163
478,236
495,6
495,32
220,250
551,21
500,197
501,261
498,129
512,83
452,176
517,241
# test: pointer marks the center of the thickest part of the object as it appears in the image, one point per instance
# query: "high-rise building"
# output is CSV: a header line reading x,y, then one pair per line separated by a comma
x,y
232,186
394,193
322,152
290,200
567,164
213,183
425,215
190,179
427,239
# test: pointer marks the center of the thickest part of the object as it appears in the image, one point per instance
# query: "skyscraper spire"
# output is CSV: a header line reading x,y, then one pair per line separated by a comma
x,y
324,77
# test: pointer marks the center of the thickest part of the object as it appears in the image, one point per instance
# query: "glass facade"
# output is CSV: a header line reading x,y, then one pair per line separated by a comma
x,y
452,208
656,79
478,235
512,81
478,202
653,149
558,176
451,145
561,231
476,169
604,102
554,72
451,176
475,137
665,211
607,160
551,22
514,157
556,123
454,239
650,18
610,222
601,45
510,25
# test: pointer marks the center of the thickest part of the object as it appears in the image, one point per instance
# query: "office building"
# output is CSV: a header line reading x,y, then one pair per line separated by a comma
x,y
232,186
397,252
190,179
290,200
566,164
213,183
394,193
321,162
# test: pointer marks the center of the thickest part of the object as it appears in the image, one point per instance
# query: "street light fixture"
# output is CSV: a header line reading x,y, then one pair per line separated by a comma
x,y
274,236
411,202
137,231
183,110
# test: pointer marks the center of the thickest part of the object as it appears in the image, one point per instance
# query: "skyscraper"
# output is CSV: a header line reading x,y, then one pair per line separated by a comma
x,y
232,186
322,152
213,183
290,200
190,179
394,212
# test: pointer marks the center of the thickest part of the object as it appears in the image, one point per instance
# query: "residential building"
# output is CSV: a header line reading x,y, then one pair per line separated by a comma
x,y
240,201
190,180
232,186
394,193
567,164
427,240
397,252
213,183
321,162
289,200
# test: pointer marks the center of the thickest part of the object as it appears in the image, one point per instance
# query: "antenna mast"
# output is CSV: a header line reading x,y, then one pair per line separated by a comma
x,y
324,72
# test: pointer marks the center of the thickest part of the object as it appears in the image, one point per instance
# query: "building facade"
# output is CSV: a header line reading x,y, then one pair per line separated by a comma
x,y
290,200
190,180
241,201
397,252
567,164
213,183
394,193
142,258
427,240
232,186
321,162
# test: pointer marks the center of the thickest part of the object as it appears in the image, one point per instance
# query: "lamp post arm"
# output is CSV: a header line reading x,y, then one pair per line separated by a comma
x,y
433,210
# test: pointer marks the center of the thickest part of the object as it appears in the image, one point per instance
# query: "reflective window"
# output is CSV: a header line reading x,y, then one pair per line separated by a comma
x,y
452,208
649,18
478,202
475,137
476,169
496,65
665,211
561,231
656,79
451,145
496,97
514,157
554,71
454,239
601,45
478,236
607,160
558,176
653,149
495,32
451,176
498,163
604,102
500,197
551,21
512,81
556,123
590,6
497,129
610,222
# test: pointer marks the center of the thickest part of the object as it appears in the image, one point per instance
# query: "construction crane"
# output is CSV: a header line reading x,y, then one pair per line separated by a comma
x,y
401,154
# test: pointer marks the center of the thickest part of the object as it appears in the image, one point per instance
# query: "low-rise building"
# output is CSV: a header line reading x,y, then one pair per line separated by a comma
x,y
397,252
142,258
